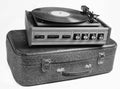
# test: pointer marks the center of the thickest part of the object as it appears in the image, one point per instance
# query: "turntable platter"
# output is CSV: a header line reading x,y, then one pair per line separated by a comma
x,y
59,15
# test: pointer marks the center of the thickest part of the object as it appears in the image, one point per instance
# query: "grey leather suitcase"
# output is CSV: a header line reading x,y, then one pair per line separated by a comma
x,y
46,64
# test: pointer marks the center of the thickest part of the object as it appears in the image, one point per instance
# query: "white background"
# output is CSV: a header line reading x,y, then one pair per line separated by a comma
x,y
12,14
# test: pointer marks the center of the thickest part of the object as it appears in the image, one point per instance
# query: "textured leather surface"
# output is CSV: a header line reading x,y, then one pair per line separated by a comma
x,y
26,62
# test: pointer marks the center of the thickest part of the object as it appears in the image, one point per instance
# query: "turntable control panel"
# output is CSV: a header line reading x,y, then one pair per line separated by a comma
x,y
66,36
76,36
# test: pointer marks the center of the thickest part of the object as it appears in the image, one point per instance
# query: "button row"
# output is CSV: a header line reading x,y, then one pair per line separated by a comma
x,y
86,36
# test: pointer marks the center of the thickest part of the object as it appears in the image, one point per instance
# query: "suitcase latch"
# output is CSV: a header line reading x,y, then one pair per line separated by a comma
x,y
46,64
101,58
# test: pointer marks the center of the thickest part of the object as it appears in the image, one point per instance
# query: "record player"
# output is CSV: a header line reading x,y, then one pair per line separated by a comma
x,y
64,26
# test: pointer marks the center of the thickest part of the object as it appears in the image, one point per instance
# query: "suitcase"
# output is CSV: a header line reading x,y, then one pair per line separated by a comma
x,y
46,64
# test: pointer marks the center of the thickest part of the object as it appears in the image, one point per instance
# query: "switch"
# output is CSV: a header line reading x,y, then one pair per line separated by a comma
x,y
76,36
85,36
100,36
93,36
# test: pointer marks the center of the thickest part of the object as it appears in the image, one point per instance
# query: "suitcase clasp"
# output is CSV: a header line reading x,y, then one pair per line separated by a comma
x,y
46,64
101,58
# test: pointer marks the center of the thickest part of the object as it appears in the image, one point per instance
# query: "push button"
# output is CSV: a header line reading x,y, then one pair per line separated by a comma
x,y
93,36
85,36
100,36
76,36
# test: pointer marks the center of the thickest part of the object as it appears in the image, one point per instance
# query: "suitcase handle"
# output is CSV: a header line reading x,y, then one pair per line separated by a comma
x,y
74,73
64,73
